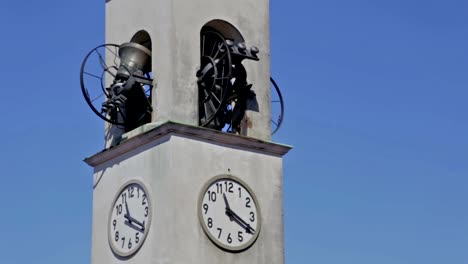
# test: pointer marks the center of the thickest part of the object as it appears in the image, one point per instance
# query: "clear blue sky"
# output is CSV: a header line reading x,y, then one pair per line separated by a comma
x,y
376,98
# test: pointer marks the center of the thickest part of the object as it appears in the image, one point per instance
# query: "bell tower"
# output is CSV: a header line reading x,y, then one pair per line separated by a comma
x,y
189,173
175,29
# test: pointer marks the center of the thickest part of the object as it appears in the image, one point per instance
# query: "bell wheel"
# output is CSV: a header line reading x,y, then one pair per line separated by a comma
x,y
214,77
277,107
100,66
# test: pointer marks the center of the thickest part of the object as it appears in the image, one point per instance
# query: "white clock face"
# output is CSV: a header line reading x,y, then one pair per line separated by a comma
x,y
229,213
129,219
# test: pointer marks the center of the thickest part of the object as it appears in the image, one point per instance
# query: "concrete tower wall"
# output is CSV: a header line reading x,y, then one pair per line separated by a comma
x,y
174,162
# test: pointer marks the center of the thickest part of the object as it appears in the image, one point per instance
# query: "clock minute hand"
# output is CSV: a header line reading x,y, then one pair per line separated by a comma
x,y
133,220
239,221
130,224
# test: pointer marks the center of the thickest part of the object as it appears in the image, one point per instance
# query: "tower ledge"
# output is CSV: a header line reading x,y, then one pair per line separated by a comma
x,y
153,131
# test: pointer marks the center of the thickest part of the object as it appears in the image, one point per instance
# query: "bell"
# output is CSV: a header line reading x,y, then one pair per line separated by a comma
x,y
134,59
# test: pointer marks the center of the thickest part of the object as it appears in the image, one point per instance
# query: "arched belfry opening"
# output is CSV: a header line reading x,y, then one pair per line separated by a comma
x,y
223,89
227,30
143,38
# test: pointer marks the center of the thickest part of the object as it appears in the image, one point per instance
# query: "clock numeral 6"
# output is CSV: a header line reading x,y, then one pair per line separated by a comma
x,y
229,238
130,243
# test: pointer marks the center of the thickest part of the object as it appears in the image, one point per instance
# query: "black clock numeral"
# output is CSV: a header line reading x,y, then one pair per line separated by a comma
x,y
114,223
252,217
239,236
146,211
138,192
205,206
229,186
219,188
247,204
210,222
240,193
124,197
143,202
118,209
123,241
220,232
129,243
116,236
137,239
211,196
229,238
130,191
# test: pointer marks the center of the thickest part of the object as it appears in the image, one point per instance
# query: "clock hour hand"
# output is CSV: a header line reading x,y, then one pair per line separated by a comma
x,y
126,209
226,202
228,208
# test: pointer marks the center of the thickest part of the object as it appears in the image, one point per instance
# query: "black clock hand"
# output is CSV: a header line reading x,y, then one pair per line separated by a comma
x,y
133,220
227,207
234,217
139,229
239,221
226,201
128,211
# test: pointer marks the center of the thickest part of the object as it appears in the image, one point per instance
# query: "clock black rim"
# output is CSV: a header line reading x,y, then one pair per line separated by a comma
x,y
150,213
201,219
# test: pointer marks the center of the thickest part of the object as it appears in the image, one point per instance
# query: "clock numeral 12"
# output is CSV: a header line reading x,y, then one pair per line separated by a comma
x,y
229,186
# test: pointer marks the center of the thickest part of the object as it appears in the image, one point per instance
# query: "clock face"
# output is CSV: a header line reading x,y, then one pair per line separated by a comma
x,y
229,213
129,219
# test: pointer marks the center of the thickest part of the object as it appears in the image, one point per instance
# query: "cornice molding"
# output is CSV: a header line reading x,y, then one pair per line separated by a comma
x,y
151,132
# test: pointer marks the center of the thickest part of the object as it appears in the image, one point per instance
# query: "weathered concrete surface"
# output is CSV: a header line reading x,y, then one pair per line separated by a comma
x,y
174,162
174,27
